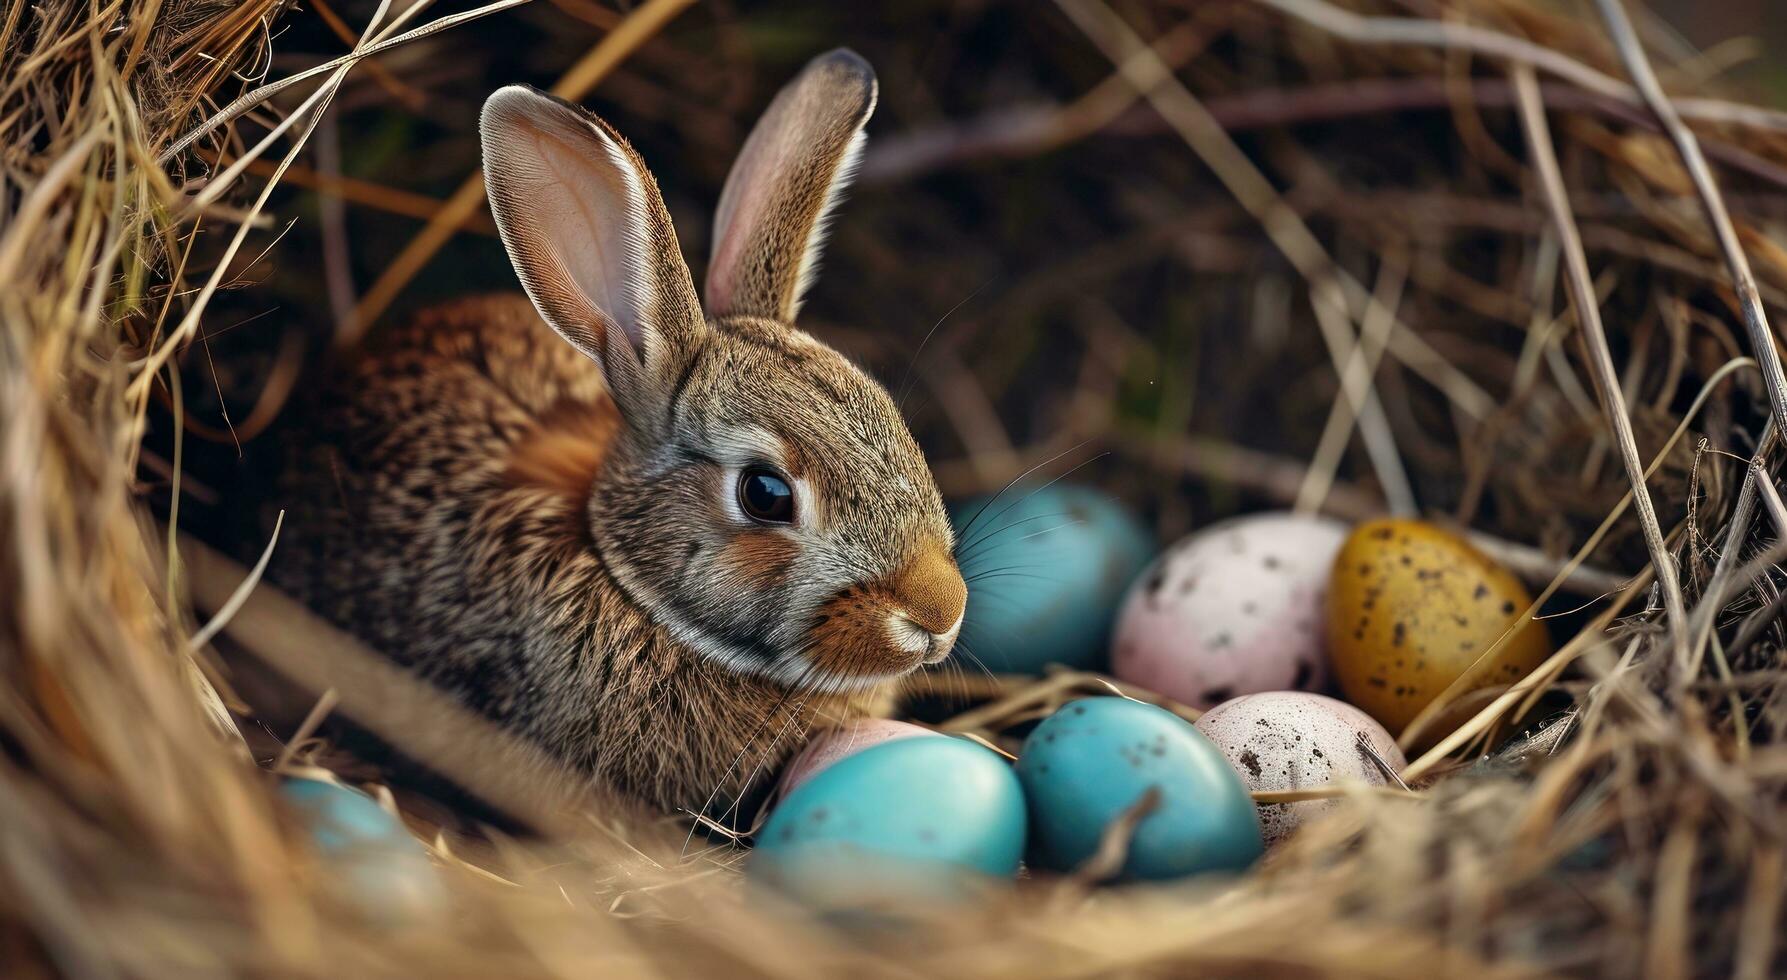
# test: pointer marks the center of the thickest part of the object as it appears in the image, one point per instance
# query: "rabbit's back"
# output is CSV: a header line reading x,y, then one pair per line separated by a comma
x,y
404,522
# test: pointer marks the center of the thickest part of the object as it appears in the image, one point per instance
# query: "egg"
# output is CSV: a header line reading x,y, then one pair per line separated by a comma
x,y
378,865
909,820
1095,758
1288,740
1045,570
1233,609
1410,609
832,744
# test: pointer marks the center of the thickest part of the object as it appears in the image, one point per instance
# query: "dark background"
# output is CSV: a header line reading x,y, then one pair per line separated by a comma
x,y
1106,292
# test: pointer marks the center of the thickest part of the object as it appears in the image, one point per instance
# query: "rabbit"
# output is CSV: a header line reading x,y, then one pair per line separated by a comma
x,y
658,543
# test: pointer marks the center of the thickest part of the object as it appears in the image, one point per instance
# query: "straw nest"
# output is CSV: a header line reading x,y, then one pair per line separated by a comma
x,y
1430,201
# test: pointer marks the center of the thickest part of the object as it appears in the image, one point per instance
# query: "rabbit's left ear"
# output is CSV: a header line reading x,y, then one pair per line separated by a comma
x,y
771,221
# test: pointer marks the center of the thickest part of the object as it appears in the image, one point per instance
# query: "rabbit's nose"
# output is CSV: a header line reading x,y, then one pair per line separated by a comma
x,y
932,595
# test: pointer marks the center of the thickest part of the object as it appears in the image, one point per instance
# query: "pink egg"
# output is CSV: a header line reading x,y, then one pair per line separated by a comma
x,y
832,744
1283,740
1231,610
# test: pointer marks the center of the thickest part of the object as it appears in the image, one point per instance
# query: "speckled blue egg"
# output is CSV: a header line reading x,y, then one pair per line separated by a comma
x,y
1089,762
909,820
1045,571
379,865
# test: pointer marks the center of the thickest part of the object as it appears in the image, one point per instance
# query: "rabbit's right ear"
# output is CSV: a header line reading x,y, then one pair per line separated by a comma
x,y
590,238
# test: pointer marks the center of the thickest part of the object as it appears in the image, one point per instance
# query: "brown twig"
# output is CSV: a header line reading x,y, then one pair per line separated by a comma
x,y
1030,129
366,193
639,27
1450,35
1276,477
1023,130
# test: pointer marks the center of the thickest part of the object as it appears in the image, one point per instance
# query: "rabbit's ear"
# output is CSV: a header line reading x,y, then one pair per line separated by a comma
x,y
592,243
771,220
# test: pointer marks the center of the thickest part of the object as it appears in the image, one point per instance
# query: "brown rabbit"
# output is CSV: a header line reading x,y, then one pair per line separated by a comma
x,y
660,544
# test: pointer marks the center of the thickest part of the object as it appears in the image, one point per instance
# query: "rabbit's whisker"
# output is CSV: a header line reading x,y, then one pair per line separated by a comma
x,y
1012,574
967,553
757,730
906,380
1046,530
974,518
974,659
795,714
998,648
1069,472
1022,566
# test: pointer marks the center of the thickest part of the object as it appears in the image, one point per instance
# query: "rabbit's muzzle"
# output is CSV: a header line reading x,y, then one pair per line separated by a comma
x,y
889,627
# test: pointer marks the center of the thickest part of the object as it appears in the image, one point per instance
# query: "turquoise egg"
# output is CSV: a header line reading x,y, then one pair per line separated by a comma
x,y
1046,571
906,821
1089,762
342,819
380,867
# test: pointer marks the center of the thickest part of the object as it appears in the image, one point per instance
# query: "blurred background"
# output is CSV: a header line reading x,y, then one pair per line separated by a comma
x,y
1750,28
1089,282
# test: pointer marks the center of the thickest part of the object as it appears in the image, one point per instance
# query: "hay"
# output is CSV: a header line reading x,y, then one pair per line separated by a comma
x,y
1391,230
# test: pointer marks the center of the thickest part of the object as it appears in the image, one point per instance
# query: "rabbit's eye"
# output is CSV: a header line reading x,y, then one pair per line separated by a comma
x,y
766,496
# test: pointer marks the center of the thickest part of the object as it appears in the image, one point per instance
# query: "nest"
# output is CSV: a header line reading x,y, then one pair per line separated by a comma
x,y
1460,258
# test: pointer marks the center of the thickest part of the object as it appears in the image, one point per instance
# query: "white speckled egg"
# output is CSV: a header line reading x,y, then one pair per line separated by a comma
x,y
1283,740
831,744
1233,609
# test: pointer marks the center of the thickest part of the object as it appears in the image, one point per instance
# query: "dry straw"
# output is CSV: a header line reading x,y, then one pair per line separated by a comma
x,y
144,144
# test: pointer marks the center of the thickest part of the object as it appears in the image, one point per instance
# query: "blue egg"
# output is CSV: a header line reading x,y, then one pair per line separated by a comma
x,y
906,821
1045,573
381,868
342,819
1089,762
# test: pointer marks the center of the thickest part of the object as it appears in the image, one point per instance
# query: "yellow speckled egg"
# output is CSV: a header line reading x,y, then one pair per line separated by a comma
x,y
1410,608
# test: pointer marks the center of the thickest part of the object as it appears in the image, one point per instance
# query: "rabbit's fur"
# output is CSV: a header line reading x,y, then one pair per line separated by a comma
x,y
535,505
